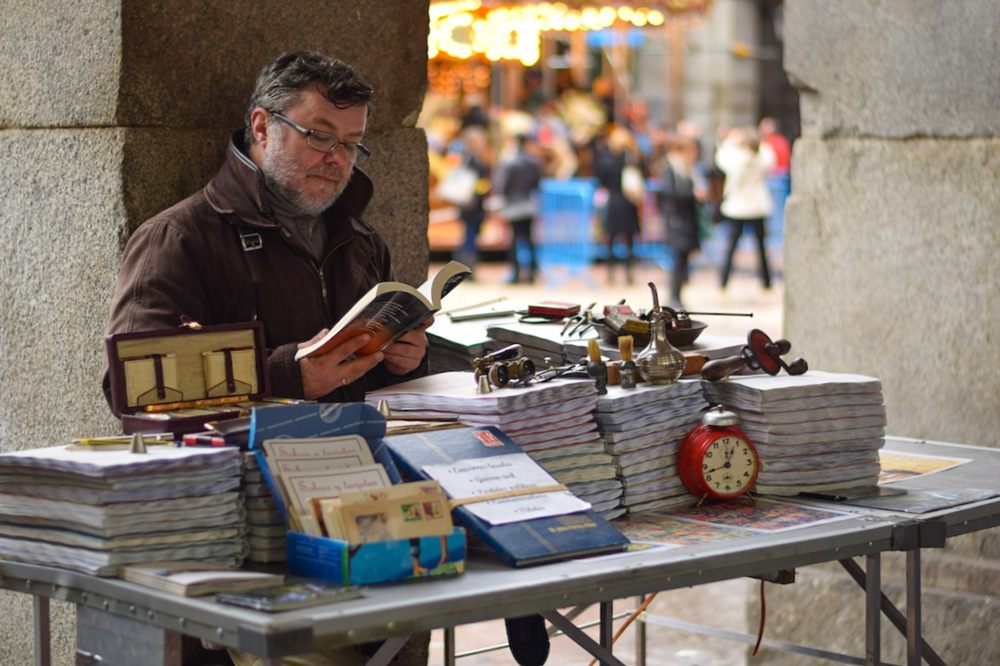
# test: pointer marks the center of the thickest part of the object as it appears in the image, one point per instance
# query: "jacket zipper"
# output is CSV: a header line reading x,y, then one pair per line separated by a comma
x,y
320,273
322,279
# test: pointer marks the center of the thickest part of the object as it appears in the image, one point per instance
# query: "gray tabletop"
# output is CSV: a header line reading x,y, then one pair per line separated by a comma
x,y
489,591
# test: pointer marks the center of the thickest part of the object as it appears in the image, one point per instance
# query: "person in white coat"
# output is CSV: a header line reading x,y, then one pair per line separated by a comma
x,y
746,201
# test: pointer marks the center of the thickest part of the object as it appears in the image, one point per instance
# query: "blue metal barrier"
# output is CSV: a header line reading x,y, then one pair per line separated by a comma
x,y
779,185
563,239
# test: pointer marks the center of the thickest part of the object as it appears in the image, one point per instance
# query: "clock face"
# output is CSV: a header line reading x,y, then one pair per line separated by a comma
x,y
728,466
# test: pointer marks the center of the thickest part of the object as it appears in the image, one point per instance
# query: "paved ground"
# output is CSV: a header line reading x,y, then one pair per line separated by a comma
x,y
719,605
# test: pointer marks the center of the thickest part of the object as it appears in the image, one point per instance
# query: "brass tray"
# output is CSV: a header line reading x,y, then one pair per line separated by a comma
x,y
678,337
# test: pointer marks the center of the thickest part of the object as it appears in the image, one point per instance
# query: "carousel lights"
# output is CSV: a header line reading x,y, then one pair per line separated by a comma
x,y
462,28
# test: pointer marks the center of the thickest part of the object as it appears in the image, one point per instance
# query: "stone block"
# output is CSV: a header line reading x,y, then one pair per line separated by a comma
x,y
59,63
890,257
60,239
399,208
194,64
895,68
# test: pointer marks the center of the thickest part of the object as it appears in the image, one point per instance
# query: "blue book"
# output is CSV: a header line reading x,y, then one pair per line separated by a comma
x,y
523,543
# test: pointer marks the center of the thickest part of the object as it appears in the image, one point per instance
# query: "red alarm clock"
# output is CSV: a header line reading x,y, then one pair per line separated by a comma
x,y
716,459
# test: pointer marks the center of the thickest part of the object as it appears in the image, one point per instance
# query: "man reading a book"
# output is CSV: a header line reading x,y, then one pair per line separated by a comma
x,y
278,236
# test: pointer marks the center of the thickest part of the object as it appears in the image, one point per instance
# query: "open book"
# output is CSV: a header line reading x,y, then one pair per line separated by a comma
x,y
389,310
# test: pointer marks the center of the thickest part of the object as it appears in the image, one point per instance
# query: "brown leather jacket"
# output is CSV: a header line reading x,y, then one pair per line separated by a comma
x,y
219,257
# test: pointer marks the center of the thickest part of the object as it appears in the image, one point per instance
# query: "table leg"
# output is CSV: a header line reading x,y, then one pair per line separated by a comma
x,y
891,612
43,632
913,639
449,646
607,631
640,635
387,651
873,609
578,636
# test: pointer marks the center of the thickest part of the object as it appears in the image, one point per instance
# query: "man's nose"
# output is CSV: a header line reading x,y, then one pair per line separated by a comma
x,y
338,156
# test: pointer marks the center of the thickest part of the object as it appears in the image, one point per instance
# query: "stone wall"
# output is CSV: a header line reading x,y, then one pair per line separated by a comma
x,y
891,239
112,110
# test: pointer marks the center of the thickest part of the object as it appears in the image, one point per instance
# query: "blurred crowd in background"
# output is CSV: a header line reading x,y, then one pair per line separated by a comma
x,y
658,191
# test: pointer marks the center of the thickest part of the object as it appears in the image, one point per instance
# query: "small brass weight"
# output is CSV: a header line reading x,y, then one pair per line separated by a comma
x,y
660,362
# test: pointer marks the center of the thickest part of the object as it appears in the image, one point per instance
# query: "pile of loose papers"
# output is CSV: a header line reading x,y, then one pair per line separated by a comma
x,y
553,422
643,428
96,510
814,432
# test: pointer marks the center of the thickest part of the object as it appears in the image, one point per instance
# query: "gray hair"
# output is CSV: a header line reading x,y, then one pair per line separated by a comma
x,y
281,82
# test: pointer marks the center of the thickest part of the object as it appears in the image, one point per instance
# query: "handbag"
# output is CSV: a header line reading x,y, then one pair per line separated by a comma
x,y
633,184
459,186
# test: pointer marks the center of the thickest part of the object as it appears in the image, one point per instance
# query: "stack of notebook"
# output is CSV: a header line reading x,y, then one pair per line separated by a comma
x,y
541,341
96,510
266,526
814,432
452,345
551,421
643,428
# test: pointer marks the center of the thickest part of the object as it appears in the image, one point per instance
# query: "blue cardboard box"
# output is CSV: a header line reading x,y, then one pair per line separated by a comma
x,y
379,562
333,559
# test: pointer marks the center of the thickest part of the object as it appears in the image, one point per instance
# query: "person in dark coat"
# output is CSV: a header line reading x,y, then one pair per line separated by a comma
x,y
681,190
621,217
277,236
518,180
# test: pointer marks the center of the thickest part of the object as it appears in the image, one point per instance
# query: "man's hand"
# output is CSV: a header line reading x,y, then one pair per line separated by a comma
x,y
322,374
405,354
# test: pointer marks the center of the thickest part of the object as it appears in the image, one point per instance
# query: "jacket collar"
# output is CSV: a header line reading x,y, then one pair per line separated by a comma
x,y
238,188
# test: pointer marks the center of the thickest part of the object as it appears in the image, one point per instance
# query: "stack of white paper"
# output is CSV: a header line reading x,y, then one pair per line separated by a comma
x,y
643,428
266,526
541,341
551,421
813,432
452,345
94,510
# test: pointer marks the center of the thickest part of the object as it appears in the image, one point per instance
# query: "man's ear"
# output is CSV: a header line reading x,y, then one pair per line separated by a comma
x,y
259,124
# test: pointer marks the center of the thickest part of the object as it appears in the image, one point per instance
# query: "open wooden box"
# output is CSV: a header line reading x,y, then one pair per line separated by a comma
x,y
157,376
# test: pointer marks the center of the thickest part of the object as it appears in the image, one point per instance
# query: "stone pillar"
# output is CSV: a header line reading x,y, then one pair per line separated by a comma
x,y
890,252
112,110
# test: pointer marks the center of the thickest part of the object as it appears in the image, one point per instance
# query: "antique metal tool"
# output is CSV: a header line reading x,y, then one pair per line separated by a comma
x,y
504,366
760,353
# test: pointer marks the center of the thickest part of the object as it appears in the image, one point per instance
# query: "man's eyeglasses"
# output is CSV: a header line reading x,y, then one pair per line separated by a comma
x,y
325,142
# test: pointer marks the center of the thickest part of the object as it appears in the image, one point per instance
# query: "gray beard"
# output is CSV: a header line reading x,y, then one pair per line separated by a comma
x,y
277,170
